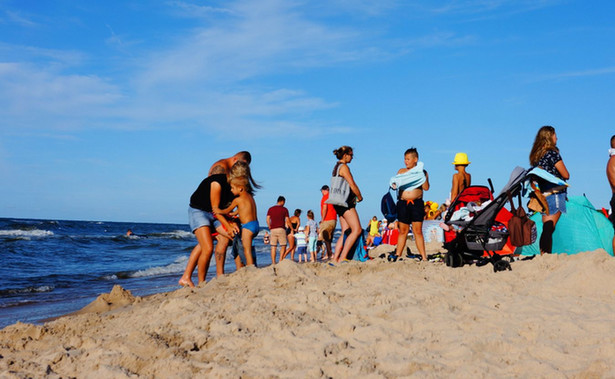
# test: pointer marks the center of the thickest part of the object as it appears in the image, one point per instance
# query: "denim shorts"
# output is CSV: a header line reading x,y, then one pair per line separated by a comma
x,y
557,203
199,218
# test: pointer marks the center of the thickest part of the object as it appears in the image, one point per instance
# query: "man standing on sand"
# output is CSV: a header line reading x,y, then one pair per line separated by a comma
x,y
277,222
328,221
610,174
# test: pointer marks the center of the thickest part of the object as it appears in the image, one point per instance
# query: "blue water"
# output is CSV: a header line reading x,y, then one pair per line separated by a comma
x,y
50,268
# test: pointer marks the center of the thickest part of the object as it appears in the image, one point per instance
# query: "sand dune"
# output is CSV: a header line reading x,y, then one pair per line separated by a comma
x,y
549,317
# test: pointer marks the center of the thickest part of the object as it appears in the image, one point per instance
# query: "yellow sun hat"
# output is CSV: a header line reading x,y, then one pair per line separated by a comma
x,y
461,159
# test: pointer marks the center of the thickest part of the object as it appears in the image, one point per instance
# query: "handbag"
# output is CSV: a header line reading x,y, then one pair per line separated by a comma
x,y
522,230
538,202
339,190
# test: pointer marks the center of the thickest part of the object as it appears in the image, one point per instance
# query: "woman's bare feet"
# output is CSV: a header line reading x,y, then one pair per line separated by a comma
x,y
185,282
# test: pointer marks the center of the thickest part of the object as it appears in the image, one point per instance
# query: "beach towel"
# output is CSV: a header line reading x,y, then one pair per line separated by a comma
x,y
582,228
411,179
358,252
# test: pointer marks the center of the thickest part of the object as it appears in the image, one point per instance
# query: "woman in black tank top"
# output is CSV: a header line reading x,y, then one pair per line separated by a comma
x,y
349,218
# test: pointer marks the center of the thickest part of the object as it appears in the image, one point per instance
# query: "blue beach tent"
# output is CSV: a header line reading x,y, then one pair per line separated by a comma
x,y
581,228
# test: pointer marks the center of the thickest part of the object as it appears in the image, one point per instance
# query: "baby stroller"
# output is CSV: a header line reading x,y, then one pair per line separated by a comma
x,y
482,235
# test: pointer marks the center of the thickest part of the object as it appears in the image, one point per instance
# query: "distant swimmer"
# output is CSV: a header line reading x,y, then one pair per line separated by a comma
x,y
129,233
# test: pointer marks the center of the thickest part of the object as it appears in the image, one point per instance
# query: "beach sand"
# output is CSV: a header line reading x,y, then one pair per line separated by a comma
x,y
548,317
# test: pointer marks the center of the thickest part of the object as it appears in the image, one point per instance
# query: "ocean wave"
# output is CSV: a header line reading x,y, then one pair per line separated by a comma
x,y
19,233
32,289
17,304
178,266
176,234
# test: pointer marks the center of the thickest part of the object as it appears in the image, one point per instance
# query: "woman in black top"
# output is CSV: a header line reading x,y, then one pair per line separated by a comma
x,y
212,195
295,222
349,218
545,155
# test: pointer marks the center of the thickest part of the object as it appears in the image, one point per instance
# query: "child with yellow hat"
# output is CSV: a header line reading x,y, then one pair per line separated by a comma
x,y
461,179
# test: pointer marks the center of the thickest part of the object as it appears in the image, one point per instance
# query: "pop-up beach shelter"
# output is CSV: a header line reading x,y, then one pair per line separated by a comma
x,y
581,228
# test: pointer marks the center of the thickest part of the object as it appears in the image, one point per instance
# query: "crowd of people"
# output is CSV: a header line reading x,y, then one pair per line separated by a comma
x,y
223,207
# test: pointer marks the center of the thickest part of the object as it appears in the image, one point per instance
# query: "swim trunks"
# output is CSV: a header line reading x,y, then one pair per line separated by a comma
x,y
252,226
410,211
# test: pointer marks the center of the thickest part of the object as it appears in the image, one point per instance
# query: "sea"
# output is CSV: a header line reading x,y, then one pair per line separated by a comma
x,y
50,268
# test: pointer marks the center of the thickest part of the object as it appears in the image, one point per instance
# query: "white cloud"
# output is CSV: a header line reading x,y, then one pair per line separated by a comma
x,y
486,6
582,73
214,75
29,93
260,38
19,18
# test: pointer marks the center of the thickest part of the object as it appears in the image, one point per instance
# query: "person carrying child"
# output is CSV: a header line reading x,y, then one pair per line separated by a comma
x,y
410,182
311,231
246,207
461,179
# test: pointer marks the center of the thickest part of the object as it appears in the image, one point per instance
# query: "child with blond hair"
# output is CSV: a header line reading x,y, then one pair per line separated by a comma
x,y
241,187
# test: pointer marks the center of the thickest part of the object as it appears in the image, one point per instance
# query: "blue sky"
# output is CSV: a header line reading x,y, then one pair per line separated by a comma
x,y
115,110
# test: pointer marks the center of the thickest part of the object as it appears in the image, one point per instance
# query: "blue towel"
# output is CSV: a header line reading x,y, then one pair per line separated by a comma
x,y
547,176
411,179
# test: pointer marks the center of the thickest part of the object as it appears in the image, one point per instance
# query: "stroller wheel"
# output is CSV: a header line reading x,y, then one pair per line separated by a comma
x,y
453,259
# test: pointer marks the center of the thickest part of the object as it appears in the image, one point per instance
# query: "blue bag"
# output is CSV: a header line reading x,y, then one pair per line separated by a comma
x,y
388,207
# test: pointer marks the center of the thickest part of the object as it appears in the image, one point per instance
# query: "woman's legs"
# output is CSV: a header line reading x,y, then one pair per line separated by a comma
x,y
291,247
186,279
546,237
352,218
203,235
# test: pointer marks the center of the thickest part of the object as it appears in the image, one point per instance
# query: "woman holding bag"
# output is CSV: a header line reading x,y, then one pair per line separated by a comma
x,y
342,183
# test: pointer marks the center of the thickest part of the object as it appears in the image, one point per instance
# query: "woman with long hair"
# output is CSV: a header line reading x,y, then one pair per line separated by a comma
x,y
349,218
295,223
545,155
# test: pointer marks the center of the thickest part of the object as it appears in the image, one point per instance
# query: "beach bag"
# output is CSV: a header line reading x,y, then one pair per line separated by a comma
x,y
388,207
522,230
339,190
538,202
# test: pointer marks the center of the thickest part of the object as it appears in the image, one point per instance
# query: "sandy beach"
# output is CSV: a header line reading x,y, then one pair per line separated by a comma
x,y
549,317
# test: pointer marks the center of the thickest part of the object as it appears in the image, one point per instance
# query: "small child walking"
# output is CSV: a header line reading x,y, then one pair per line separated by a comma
x,y
301,244
311,231
246,208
